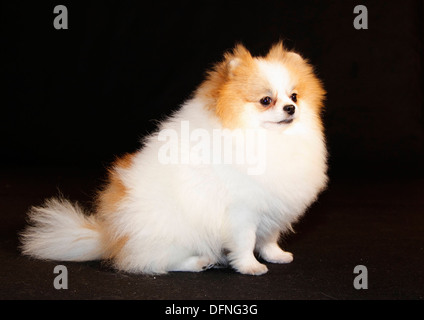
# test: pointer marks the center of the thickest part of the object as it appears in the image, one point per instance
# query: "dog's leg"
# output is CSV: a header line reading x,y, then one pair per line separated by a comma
x,y
194,264
242,238
270,251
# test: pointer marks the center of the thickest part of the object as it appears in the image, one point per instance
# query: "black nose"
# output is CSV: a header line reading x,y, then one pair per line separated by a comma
x,y
290,109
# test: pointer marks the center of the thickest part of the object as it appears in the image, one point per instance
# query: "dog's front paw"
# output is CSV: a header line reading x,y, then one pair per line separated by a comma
x,y
274,254
252,267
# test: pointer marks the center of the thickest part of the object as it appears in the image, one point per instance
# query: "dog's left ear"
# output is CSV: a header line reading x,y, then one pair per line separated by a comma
x,y
276,52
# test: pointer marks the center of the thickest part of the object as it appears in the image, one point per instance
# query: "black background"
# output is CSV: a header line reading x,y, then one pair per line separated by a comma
x,y
81,96
71,100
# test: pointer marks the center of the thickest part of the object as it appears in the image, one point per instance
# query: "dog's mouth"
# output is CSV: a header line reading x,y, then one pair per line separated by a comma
x,y
286,121
275,124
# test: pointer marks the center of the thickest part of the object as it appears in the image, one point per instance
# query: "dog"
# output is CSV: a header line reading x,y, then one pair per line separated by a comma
x,y
189,199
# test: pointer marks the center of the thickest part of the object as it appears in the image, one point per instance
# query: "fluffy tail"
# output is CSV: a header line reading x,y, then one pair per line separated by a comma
x,y
59,230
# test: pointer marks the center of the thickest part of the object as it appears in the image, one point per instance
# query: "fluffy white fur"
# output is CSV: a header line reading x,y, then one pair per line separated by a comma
x,y
189,217
59,232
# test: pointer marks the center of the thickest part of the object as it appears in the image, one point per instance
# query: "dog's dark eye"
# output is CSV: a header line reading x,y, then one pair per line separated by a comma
x,y
294,97
266,101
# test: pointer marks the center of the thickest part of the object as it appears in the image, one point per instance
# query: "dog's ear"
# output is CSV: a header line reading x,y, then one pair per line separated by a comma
x,y
276,52
235,58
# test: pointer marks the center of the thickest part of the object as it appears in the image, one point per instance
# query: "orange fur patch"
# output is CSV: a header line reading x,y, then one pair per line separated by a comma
x,y
108,201
90,225
114,247
115,191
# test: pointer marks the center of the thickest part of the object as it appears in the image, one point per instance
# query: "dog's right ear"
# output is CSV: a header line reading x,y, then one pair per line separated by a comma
x,y
235,58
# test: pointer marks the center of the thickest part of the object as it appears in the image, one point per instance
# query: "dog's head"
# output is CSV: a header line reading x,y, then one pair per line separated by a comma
x,y
270,91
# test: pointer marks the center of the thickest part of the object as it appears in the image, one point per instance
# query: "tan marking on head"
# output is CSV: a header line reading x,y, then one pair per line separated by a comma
x,y
309,88
237,80
230,83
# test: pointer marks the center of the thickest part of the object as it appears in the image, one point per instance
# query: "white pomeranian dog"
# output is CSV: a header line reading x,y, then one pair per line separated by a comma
x,y
218,183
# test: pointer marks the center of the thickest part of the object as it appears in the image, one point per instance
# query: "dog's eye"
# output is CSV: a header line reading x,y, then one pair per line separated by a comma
x,y
293,97
266,101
